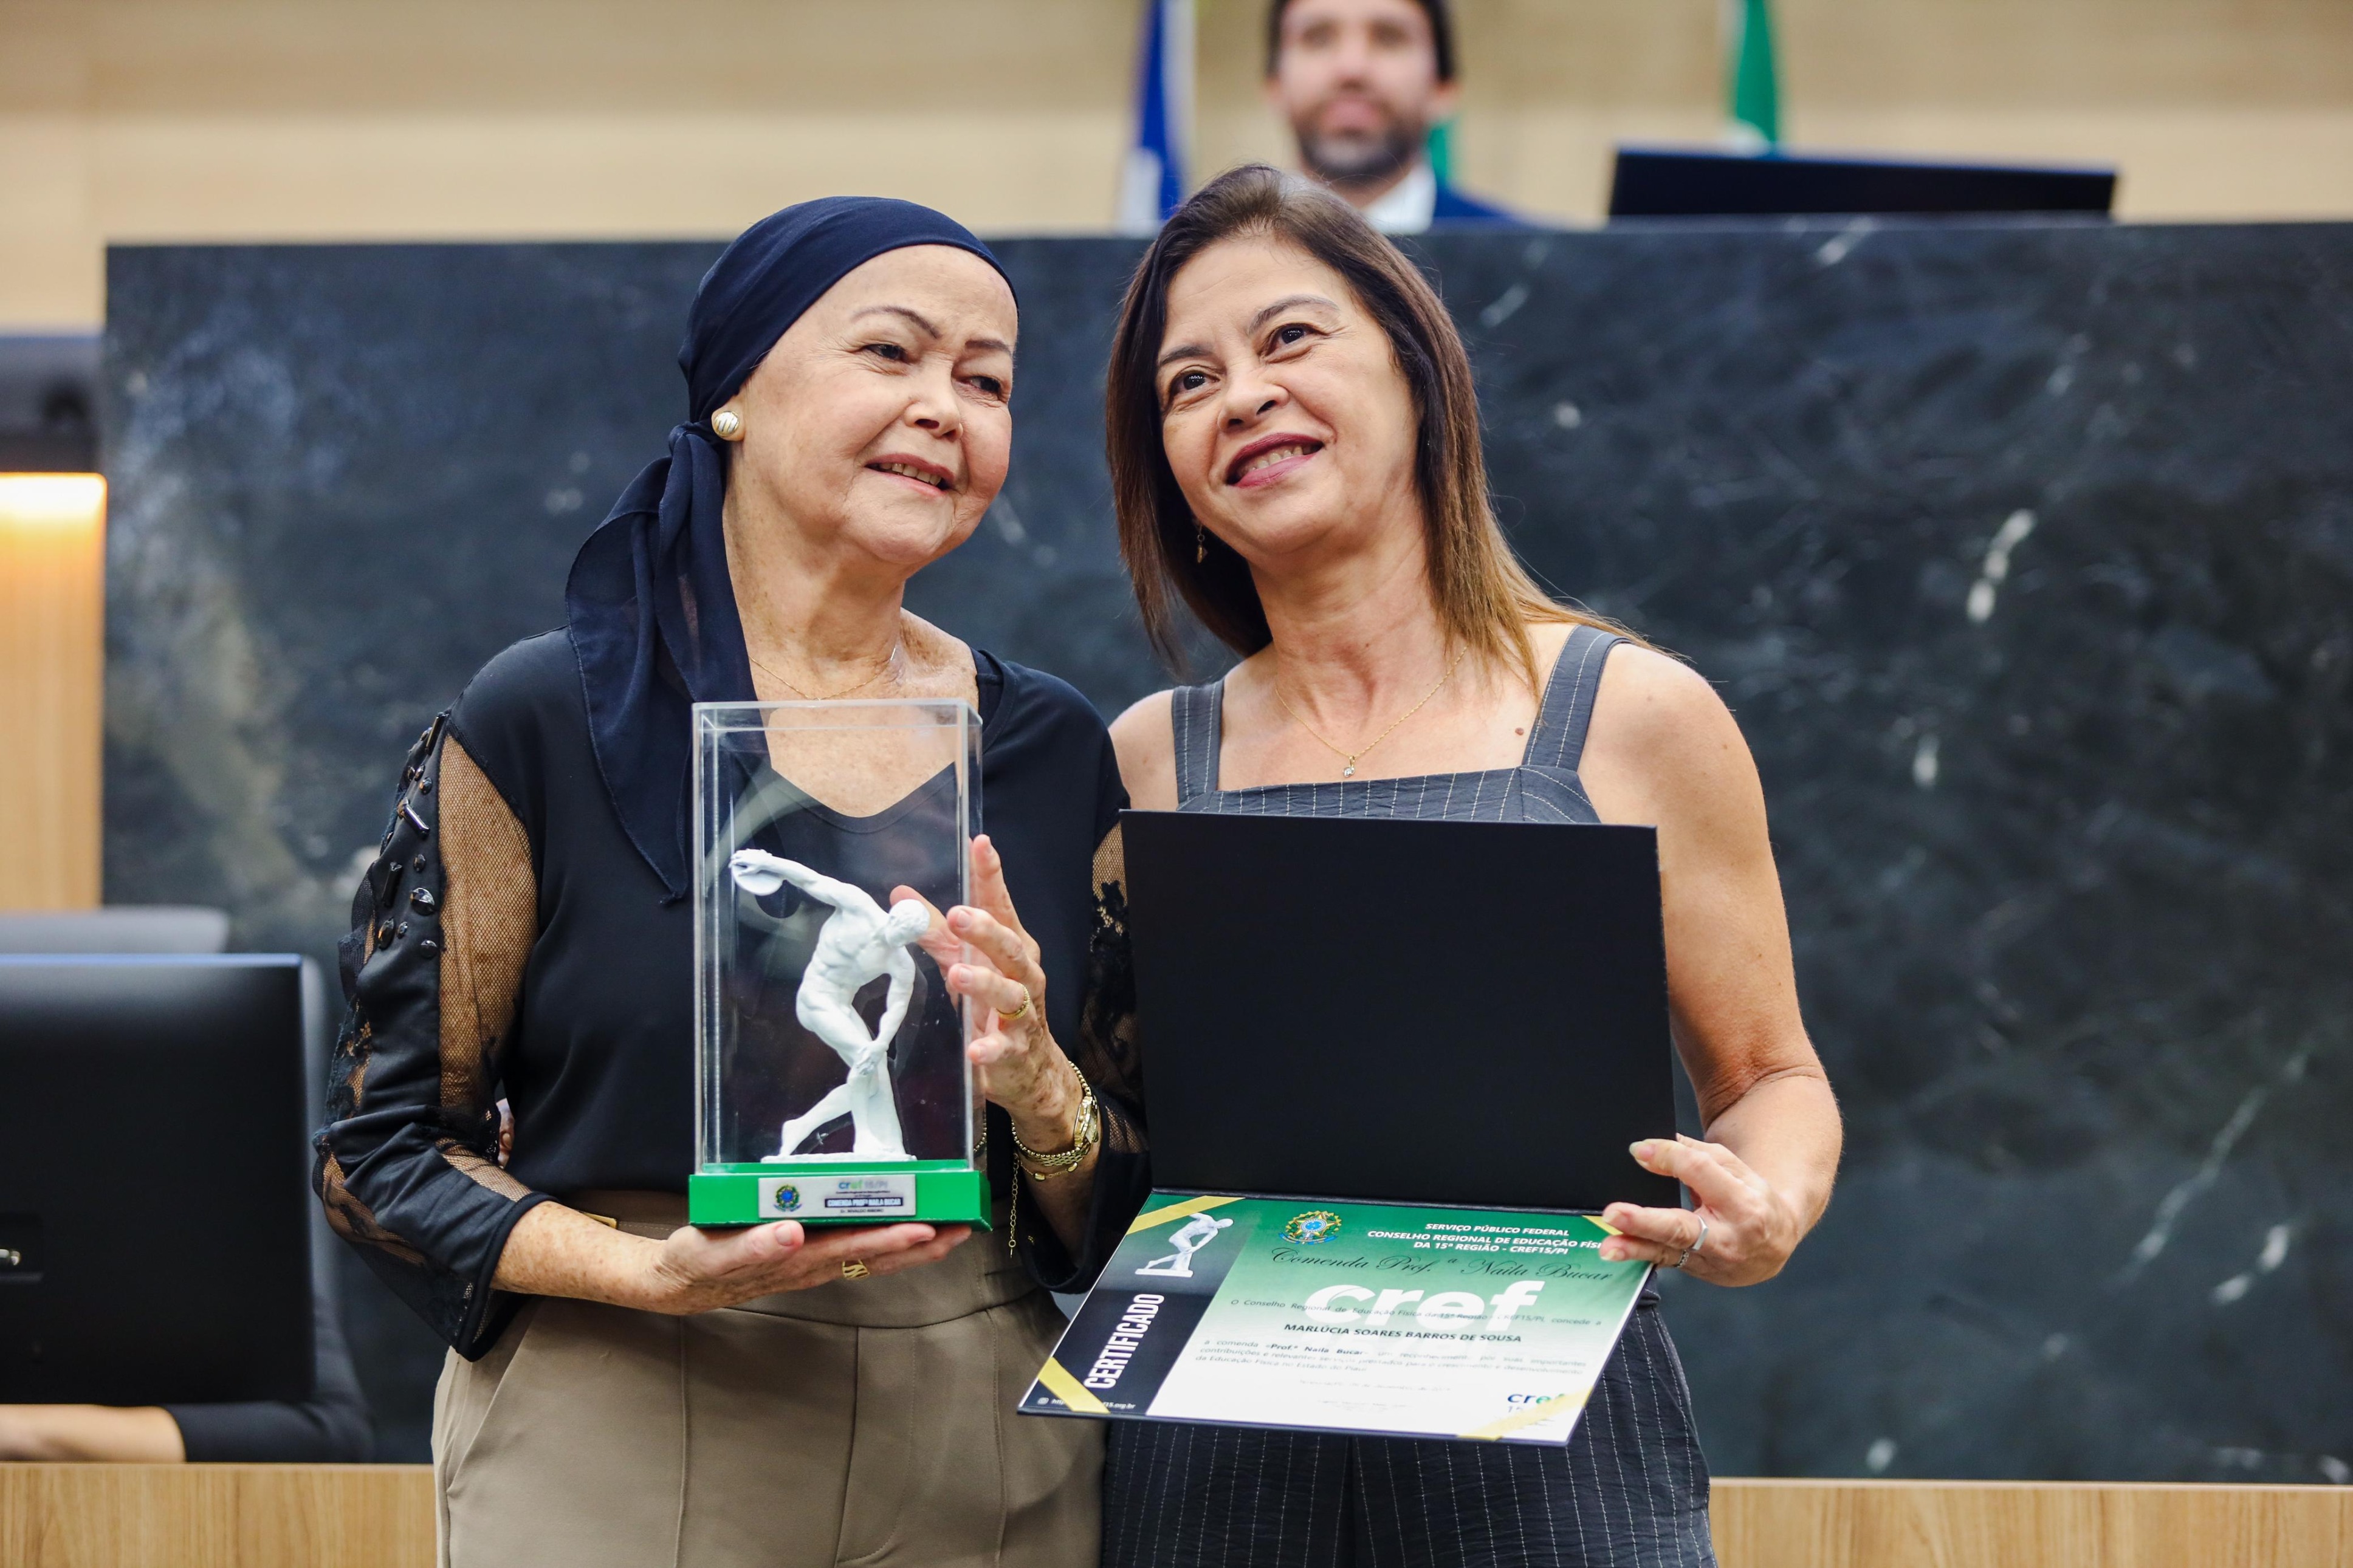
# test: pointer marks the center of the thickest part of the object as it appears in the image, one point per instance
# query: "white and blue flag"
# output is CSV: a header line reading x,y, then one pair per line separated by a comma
x,y
1152,182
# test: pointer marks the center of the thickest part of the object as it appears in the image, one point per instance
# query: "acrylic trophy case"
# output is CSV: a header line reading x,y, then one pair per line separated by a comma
x,y
831,1083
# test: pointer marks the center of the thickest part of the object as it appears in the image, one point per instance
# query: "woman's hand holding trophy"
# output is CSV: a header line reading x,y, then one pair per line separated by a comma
x,y
989,957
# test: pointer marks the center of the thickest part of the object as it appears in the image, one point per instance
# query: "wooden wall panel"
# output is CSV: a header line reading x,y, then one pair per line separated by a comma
x,y
52,676
242,120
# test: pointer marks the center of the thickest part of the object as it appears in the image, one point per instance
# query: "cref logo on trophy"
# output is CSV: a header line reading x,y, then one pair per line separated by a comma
x,y
1313,1228
1196,1234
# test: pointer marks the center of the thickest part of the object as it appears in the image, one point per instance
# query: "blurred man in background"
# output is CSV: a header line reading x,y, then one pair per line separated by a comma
x,y
1361,83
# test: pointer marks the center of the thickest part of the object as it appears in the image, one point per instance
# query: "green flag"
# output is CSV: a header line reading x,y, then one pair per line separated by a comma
x,y
1752,90
1440,149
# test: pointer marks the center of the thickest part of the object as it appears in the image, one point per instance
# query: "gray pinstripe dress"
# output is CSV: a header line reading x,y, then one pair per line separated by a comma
x,y
1629,1487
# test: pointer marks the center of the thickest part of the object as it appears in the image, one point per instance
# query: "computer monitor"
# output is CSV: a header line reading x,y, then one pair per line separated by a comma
x,y
1691,182
155,1197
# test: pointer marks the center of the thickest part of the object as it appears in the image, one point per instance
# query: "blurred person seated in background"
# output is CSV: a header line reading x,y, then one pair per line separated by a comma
x,y
1361,83
330,1428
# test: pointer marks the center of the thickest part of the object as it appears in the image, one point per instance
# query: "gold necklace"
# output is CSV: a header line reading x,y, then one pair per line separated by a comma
x,y
889,660
1349,759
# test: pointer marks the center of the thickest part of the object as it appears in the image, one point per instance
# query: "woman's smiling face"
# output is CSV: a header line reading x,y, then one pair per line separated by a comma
x,y
881,420
1284,413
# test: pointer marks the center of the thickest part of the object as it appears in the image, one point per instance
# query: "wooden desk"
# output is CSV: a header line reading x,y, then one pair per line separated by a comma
x,y
2030,1524
381,1516
215,1516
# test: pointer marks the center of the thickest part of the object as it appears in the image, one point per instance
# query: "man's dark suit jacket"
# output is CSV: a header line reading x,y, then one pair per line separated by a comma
x,y
1456,210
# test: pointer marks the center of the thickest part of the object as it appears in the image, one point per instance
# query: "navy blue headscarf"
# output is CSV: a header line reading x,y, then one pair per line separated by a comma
x,y
650,610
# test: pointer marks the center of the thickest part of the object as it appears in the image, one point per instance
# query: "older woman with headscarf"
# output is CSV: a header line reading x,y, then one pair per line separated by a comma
x,y
623,1388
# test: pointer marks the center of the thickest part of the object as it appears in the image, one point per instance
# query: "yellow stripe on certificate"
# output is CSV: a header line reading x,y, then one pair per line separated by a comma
x,y
1178,1211
1056,1380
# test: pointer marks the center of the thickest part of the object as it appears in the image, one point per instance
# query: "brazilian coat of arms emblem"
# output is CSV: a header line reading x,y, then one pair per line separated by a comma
x,y
1313,1228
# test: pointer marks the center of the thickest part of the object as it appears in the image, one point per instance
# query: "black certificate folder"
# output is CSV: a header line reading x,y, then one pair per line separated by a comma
x,y
1470,1014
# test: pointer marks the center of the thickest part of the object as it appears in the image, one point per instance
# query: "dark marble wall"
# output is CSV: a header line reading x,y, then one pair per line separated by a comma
x,y
2023,552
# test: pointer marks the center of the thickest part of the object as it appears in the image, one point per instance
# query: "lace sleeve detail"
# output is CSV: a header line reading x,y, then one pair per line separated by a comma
x,y
406,1164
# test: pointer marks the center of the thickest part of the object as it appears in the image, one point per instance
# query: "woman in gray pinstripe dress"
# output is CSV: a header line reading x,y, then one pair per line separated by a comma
x,y
1294,449
1632,1485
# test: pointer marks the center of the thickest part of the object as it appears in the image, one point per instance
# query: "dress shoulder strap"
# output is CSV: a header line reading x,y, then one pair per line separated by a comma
x,y
1195,713
1558,739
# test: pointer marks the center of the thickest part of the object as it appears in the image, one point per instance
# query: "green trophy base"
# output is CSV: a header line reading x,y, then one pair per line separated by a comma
x,y
840,1192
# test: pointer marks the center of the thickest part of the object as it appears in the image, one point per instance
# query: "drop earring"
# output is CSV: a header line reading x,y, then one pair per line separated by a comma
x,y
1200,542
726,423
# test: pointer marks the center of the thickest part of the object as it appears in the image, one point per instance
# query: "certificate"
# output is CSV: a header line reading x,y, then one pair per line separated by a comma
x,y
1409,1321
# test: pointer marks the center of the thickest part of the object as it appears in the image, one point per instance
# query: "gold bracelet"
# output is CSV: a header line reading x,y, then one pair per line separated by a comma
x,y
1046,1167
1041,1167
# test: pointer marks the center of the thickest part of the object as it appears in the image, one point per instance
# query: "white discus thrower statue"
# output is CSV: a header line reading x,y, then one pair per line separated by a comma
x,y
858,943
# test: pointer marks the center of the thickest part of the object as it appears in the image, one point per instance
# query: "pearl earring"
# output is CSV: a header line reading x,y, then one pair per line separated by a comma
x,y
726,423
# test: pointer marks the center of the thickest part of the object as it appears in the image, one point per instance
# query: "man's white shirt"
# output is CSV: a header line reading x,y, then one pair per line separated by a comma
x,y
1408,206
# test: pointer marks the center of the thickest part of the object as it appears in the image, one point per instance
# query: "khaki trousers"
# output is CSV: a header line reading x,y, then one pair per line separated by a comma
x,y
861,1422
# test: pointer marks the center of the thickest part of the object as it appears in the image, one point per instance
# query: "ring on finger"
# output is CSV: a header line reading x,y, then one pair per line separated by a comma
x,y
1022,1011
854,1268
1697,1243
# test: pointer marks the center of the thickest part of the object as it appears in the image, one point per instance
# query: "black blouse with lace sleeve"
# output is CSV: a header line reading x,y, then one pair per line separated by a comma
x,y
510,941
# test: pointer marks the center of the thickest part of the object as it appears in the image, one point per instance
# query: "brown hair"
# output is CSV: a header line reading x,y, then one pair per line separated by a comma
x,y
1485,598
1441,35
